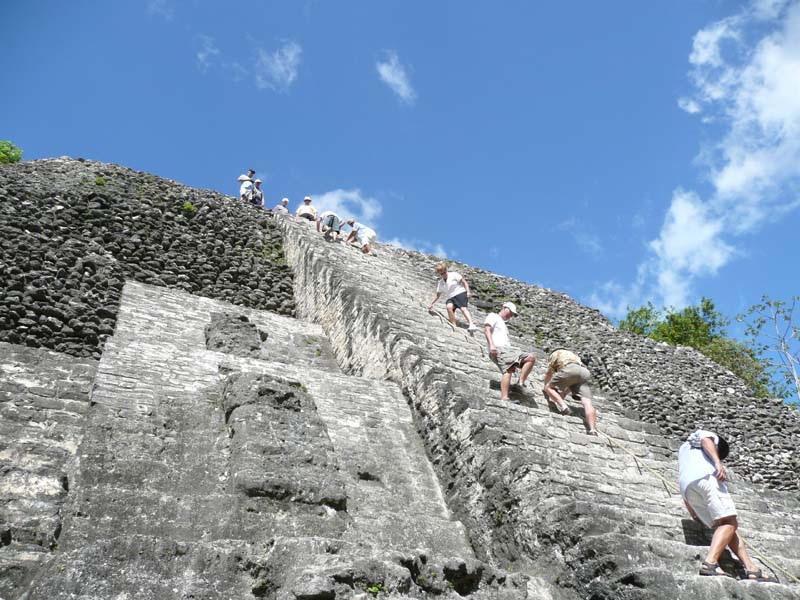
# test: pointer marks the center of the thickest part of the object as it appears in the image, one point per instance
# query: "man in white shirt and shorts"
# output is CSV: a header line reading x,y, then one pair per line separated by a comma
x,y
362,234
702,480
330,224
500,351
458,294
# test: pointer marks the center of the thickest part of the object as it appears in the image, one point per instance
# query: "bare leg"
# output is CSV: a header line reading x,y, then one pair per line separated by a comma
x,y
505,382
591,414
555,397
466,314
527,367
723,536
451,313
737,546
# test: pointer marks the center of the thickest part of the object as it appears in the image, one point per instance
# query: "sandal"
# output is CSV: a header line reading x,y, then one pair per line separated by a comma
x,y
710,570
758,575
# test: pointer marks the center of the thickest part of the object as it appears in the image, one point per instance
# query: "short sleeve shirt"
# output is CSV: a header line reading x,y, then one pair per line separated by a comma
x,y
499,330
561,358
364,233
280,208
306,209
245,187
454,285
693,462
329,213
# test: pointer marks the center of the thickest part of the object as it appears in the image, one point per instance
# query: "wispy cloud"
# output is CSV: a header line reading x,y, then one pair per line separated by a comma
x,y
745,72
393,73
586,241
161,8
349,203
420,246
277,70
207,53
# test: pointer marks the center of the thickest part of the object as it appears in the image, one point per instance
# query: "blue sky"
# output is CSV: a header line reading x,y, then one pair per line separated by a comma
x,y
617,151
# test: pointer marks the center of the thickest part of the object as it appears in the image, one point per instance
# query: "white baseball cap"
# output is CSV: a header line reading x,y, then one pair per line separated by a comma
x,y
511,306
285,201
307,198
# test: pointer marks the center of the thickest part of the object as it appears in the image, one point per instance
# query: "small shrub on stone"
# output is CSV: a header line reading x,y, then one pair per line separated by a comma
x,y
99,181
9,153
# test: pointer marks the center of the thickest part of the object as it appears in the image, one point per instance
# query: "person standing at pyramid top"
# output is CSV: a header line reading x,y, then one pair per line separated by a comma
x,y
246,185
458,294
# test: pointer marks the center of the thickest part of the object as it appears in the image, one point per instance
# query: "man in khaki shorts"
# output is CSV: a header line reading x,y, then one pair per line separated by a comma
x,y
501,352
702,480
567,375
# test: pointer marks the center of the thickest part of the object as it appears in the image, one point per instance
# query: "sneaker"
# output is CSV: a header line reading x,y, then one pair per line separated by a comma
x,y
472,327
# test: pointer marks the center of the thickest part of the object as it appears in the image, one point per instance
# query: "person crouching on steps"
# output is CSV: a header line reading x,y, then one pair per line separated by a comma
x,y
567,375
500,351
458,295
702,480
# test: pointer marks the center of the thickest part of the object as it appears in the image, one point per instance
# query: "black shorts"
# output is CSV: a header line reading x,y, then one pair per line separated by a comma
x,y
459,301
308,216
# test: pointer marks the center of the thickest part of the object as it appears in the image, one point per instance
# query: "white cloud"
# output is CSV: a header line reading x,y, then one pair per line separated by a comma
x,y
349,203
277,70
161,8
207,52
745,70
690,106
420,246
588,242
393,74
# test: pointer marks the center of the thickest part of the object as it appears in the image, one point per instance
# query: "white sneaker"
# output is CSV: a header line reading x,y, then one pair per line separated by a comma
x,y
472,327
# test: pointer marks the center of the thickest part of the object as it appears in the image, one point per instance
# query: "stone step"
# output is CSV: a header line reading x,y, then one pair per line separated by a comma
x,y
631,553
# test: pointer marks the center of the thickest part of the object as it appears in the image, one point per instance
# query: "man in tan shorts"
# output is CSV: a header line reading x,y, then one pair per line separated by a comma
x,y
567,375
501,352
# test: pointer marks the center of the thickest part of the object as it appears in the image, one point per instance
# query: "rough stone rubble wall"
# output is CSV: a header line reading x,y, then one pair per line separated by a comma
x,y
534,491
72,232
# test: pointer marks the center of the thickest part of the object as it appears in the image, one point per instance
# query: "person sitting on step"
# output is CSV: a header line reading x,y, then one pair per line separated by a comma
x,y
500,351
458,294
306,211
702,479
566,375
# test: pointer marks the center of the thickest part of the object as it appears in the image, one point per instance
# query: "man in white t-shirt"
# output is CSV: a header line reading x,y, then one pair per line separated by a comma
x,y
501,352
282,208
246,185
330,224
702,480
362,234
458,294
306,211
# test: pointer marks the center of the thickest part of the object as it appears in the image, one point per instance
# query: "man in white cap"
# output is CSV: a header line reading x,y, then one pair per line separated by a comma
x,y
246,184
306,211
362,234
282,208
500,351
257,194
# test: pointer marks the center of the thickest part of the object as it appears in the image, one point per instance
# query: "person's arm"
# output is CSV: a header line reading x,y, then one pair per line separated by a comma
x,y
710,448
435,300
350,237
466,286
319,220
487,331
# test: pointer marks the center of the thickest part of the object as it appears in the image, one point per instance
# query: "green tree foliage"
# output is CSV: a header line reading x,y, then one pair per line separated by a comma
x,y
9,153
773,331
704,328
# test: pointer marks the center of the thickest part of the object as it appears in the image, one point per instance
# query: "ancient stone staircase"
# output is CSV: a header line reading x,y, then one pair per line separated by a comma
x,y
225,455
536,493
